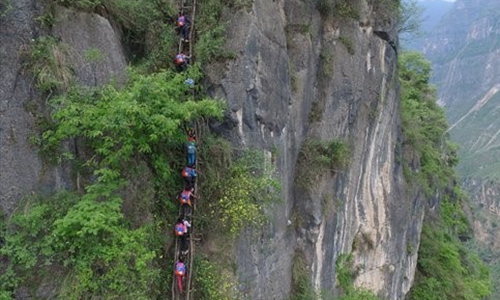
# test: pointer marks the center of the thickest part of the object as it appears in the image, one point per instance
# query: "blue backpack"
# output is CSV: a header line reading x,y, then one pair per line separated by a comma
x,y
180,269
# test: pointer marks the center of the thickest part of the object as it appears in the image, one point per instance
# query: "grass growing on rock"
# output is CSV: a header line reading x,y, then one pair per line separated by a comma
x,y
318,157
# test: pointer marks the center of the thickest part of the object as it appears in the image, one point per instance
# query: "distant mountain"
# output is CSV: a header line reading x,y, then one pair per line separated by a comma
x,y
465,51
433,11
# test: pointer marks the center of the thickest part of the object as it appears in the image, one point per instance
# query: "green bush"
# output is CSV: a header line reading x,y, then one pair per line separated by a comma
x,y
86,239
345,274
446,269
212,282
424,125
210,29
248,187
144,118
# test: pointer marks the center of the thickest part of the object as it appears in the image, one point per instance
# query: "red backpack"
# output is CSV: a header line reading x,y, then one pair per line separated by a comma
x,y
185,197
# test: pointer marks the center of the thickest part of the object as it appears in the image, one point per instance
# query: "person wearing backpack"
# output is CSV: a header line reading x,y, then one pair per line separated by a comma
x,y
179,272
181,229
189,173
191,153
181,61
183,24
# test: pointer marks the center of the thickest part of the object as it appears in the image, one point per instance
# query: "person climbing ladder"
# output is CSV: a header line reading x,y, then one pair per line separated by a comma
x,y
189,174
181,61
183,23
191,153
179,272
181,229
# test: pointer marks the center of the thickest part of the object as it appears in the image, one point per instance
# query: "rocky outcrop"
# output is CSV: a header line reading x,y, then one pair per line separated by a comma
x,y
303,75
96,58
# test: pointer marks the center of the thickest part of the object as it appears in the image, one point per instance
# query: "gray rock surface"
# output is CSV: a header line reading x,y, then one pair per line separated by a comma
x,y
20,166
298,76
97,58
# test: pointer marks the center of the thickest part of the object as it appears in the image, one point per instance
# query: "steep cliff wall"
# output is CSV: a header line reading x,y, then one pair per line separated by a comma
x,y
299,75
21,168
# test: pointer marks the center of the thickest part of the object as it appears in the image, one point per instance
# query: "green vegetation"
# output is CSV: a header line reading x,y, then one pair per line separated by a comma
x,y
85,241
345,274
345,9
348,44
424,126
211,43
326,63
301,279
446,269
5,7
85,236
240,186
212,282
48,60
318,157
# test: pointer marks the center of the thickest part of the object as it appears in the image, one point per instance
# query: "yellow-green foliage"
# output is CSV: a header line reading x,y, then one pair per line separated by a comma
x,y
212,282
249,186
239,188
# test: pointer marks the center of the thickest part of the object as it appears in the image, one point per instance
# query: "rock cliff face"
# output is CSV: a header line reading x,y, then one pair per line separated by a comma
x,y
21,168
298,75
334,79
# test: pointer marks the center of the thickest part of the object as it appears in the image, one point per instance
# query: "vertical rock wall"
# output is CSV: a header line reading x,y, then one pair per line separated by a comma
x,y
96,57
300,75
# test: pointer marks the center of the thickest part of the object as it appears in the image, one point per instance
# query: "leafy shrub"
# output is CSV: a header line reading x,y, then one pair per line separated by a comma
x,y
142,118
446,269
345,274
424,124
211,31
211,281
249,186
87,239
